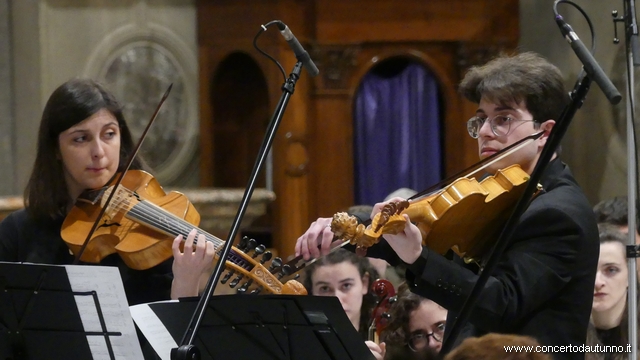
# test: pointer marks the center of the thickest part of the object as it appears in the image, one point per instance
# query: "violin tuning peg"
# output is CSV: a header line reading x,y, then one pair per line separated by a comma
x,y
275,263
386,315
260,249
252,243
242,245
243,289
266,257
227,277
285,270
393,299
235,281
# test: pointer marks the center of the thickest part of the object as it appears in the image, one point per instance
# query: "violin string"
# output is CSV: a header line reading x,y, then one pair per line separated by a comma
x,y
149,212
153,214
145,207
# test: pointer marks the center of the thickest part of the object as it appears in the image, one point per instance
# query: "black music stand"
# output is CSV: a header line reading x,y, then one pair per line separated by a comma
x,y
279,327
39,318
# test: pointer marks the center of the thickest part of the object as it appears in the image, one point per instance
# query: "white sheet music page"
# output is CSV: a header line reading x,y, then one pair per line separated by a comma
x,y
106,282
153,329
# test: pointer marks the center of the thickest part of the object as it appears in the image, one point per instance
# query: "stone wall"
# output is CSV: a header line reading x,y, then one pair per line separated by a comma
x,y
48,42
595,145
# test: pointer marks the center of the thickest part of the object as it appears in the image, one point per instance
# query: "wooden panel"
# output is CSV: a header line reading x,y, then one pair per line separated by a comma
x,y
290,154
332,159
239,21
413,20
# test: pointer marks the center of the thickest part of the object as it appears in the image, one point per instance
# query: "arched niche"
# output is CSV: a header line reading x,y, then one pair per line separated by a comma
x,y
444,65
344,67
240,103
398,123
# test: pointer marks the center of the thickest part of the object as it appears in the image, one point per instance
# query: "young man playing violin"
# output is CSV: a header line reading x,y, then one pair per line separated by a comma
x,y
542,285
82,142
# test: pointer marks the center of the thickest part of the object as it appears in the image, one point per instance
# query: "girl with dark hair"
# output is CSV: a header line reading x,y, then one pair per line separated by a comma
x,y
83,142
416,327
348,277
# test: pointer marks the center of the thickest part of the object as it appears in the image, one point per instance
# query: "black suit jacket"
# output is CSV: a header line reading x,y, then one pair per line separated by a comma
x,y
543,283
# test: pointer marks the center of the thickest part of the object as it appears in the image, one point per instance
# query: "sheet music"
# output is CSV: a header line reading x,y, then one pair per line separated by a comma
x,y
106,281
153,329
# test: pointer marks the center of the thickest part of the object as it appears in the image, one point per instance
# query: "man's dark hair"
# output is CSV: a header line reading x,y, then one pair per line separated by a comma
x,y
613,211
513,79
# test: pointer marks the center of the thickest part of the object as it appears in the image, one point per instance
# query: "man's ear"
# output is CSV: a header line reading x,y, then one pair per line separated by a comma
x,y
546,126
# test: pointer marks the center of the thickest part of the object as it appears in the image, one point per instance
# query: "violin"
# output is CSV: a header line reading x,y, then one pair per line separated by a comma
x,y
464,216
140,224
386,296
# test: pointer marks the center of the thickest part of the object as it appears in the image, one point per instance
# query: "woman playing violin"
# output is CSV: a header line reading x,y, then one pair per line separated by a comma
x,y
82,142
543,282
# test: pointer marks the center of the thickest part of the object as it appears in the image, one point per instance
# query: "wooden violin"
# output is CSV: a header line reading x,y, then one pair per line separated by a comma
x,y
464,216
140,224
385,296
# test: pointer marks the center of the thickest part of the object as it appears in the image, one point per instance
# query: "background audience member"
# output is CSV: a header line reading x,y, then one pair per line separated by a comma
x,y
345,275
615,211
416,326
609,314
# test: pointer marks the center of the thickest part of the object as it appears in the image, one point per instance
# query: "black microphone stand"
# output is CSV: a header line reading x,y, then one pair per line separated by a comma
x,y
557,133
187,350
633,251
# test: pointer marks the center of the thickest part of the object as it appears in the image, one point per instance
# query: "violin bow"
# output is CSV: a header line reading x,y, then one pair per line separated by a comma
x,y
479,166
121,175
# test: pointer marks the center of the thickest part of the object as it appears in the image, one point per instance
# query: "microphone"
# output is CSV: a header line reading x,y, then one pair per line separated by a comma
x,y
590,64
301,54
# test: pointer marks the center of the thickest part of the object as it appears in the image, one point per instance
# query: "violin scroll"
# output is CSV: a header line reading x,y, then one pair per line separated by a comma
x,y
389,221
346,228
388,211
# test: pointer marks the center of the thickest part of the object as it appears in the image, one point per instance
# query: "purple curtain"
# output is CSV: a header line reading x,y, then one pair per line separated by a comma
x,y
397,138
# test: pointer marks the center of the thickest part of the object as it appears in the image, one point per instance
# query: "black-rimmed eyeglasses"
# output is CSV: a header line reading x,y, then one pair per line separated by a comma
x,y
420,339
500,125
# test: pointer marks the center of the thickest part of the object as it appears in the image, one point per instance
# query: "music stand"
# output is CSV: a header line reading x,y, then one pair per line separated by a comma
x,y
39,317
268,327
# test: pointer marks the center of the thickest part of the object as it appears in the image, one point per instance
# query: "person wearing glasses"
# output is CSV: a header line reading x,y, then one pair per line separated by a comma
x,y
415,328
543,283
